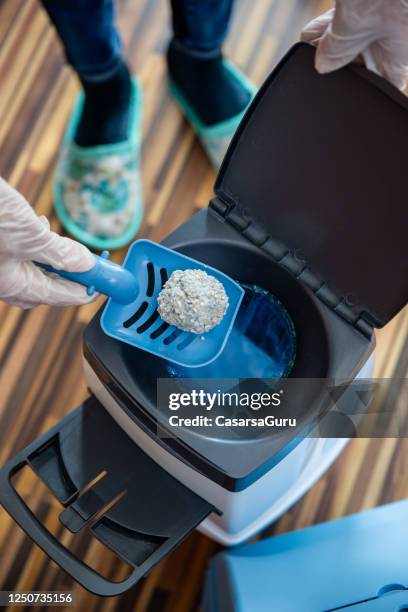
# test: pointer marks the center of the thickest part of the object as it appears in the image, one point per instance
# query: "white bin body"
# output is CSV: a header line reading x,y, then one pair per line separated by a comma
x,y
246,512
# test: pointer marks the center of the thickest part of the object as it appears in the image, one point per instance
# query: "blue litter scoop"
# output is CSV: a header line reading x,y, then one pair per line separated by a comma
x,y
130,314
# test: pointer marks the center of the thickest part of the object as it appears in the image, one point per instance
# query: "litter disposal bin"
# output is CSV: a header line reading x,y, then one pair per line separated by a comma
x,y
308,208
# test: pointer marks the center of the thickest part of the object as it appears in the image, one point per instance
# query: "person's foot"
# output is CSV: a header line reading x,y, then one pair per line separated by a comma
x,y
212,93
105,113
97,189
207,84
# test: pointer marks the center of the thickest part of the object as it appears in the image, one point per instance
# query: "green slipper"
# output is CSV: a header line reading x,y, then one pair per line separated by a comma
x,y
215,138
97,190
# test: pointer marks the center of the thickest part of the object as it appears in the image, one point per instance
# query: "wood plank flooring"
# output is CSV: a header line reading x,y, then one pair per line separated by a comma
x,y
41,376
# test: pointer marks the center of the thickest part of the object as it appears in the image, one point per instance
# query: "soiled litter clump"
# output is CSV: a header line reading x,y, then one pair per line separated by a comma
x,y
193,301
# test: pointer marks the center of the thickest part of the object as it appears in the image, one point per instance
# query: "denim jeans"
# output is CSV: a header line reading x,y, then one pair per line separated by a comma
x,y
92,43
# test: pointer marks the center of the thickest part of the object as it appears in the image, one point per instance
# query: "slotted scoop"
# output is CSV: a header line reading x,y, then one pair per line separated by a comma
x,y
130,314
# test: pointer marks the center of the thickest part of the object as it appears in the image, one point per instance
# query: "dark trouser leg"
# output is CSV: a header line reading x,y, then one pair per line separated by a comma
x,y
196,63
93,49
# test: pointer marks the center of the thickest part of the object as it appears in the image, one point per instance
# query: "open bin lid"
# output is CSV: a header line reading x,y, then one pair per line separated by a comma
x,y
319,163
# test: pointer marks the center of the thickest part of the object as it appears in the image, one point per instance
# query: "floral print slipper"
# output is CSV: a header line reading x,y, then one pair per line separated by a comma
x,y
215,138
97,190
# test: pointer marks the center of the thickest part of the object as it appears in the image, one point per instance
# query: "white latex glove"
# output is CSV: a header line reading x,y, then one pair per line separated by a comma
x,y
375,29
24,238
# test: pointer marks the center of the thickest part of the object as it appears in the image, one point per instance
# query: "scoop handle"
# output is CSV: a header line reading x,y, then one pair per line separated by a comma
x,y
105,277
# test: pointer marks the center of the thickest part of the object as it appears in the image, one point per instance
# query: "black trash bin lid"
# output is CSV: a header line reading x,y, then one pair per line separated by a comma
x,y
319,162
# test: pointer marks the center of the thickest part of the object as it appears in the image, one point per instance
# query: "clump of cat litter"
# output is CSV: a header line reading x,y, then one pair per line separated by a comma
x,y
193,301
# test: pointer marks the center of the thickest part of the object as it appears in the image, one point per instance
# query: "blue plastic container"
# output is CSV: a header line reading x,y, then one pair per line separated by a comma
x,y
355,564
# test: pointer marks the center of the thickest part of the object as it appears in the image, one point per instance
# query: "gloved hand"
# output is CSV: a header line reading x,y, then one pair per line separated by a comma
x,y
24,238
375,29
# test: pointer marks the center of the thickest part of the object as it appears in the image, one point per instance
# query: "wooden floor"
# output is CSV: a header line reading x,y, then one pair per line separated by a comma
x,y
41,378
